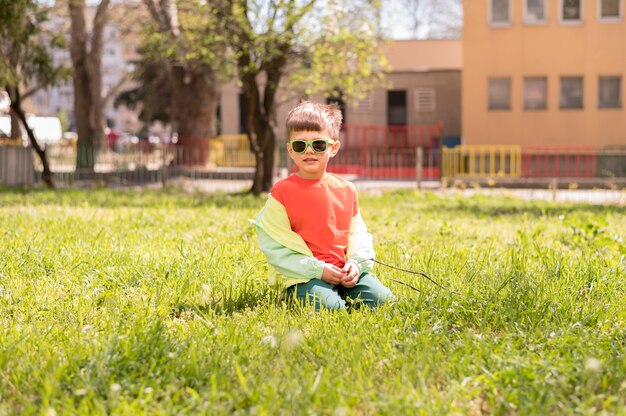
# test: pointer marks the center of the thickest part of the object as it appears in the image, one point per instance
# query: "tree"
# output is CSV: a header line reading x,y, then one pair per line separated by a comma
x,y
86,54
189,47
429,19
152,94
24,46
305,47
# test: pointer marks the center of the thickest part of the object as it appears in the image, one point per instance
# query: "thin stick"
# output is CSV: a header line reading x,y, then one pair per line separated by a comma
x,y
404,270
403,283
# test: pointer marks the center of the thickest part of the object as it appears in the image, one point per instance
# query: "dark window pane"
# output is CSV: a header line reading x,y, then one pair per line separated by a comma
x,y
243,113
396,108
571,10
610,92
499,94
535,93
571,92
500,11
536,10
610,8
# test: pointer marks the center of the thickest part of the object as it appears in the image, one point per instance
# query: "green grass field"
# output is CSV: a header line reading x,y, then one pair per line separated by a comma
x,y
125,302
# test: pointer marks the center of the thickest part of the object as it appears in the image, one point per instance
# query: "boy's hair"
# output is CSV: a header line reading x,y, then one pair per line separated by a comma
x,y
312,116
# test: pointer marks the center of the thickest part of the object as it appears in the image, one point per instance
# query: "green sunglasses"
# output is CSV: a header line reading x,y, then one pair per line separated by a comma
x,y
318,145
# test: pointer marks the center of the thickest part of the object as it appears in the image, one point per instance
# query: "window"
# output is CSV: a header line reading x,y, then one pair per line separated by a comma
x,y
396,108
499,94
571,11
500,12
424,100
571,92
243,113
610,9
610,92
535,93
535,11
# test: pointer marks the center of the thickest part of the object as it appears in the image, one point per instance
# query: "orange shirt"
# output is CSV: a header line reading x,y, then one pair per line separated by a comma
x,y
321,212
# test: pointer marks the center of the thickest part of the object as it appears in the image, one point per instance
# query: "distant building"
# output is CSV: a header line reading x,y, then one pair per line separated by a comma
x,y
424,88
544,72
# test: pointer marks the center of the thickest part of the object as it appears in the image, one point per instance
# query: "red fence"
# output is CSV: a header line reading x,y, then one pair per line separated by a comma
x,y
389,152
365,136
374,163
559,161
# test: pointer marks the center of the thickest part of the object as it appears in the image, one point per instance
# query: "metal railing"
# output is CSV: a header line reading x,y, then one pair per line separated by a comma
x,y
481,161
229,157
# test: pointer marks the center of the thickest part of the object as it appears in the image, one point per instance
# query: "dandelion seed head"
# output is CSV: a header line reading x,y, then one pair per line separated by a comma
x,y
593,365
270,340
341,411
293,339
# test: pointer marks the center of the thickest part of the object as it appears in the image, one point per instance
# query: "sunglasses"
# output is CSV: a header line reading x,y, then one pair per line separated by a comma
x,y
318,145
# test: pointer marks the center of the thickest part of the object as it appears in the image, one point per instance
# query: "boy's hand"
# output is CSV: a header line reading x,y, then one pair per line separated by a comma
x,y
332,274
351,274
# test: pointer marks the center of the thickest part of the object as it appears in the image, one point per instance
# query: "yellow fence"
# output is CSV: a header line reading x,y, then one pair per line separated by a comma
x,y
482,161
232,151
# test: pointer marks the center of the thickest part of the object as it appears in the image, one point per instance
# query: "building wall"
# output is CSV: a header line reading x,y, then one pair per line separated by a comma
x,y
425,65
553,49
446,85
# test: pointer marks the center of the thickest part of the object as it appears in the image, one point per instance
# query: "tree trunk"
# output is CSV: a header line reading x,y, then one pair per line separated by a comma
x,y
16,108
193,87
193,109
16,129
86,53
194,101
264,156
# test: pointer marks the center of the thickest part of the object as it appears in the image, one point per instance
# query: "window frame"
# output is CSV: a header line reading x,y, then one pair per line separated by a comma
x,y
543,21
545,93
507,23
577,22
582,92
617,18
620,103
509,106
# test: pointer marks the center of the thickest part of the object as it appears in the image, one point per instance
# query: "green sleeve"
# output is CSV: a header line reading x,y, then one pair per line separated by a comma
x,y
288,262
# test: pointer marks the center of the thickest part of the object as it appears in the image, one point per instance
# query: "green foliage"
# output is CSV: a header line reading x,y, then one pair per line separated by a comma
x,y
25,45
126,302
341,51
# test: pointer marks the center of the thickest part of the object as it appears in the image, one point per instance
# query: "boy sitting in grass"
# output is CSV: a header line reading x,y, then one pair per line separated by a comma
x,y
310,229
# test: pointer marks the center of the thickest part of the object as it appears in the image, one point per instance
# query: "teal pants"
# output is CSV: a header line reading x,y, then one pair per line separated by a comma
x,y
369,290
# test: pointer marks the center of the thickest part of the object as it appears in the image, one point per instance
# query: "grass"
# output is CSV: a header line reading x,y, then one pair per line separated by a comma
x,y
126,302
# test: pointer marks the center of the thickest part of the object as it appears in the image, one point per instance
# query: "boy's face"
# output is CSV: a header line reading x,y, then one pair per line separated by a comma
x,y
311,163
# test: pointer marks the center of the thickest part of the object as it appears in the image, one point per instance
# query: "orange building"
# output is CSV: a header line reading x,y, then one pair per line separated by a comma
x,y
544,72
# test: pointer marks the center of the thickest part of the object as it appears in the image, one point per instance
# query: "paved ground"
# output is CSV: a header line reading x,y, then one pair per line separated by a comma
x,y
590,196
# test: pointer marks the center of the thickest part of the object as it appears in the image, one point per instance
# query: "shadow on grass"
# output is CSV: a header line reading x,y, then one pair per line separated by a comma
x,y
226,306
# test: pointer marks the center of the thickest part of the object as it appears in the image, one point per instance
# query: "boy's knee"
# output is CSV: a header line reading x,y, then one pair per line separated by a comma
x,y
375,293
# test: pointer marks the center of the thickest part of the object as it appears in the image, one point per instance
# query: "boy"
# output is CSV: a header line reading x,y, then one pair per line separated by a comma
x,y
310,229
